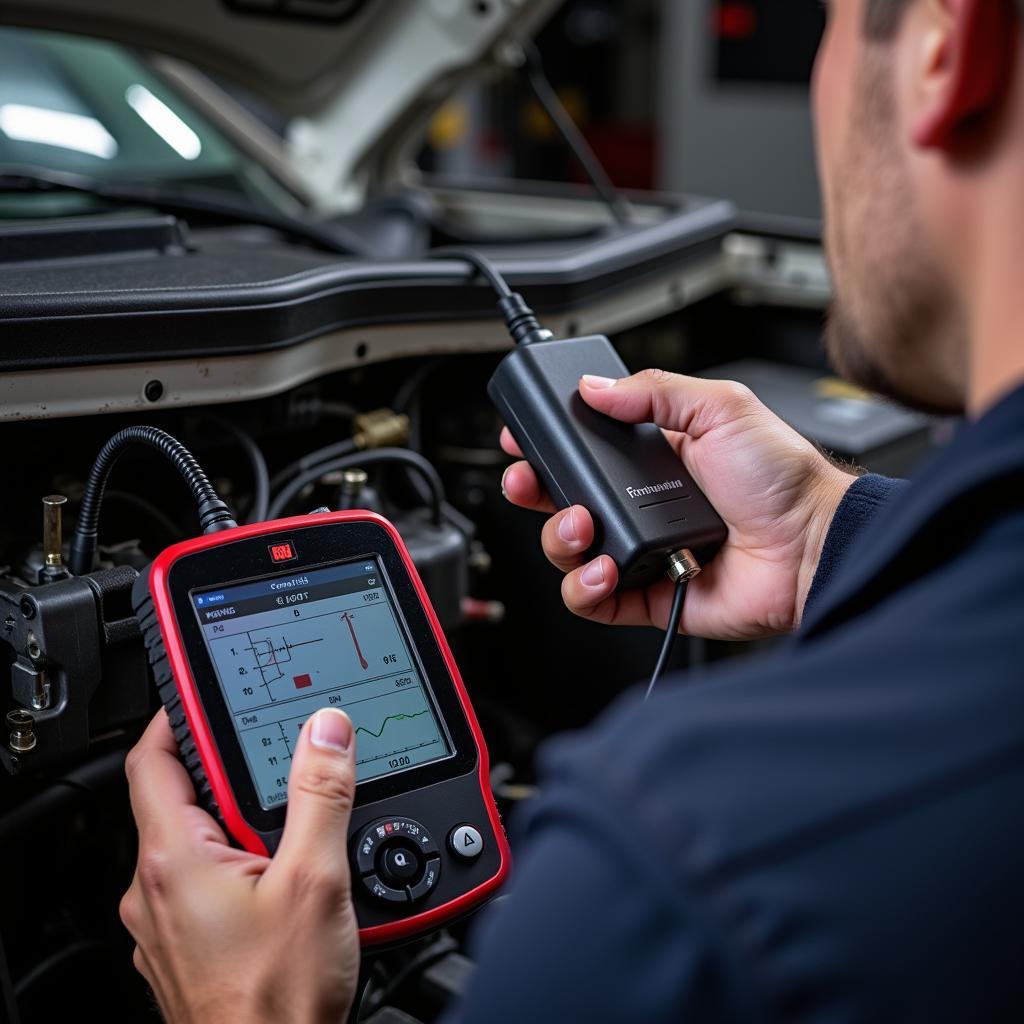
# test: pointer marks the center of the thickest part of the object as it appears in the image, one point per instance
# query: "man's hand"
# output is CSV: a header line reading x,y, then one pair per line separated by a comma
x,y
776,492
218,929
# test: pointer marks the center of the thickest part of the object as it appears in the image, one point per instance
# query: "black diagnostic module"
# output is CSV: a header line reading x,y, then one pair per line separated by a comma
x,y
645,505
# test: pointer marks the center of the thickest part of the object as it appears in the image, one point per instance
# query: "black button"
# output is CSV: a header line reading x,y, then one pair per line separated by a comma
x,y
385,892
400,865
431,873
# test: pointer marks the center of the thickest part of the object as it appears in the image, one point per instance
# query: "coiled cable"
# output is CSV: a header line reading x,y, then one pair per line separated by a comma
x,y
214,514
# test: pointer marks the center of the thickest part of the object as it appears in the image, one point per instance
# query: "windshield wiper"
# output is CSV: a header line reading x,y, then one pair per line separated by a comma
x,y
186,200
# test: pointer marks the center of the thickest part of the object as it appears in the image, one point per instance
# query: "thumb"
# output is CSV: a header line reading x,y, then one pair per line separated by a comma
x,y
689,405
321,787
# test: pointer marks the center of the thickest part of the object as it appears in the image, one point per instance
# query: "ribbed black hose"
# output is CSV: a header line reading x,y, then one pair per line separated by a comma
x,y
213,513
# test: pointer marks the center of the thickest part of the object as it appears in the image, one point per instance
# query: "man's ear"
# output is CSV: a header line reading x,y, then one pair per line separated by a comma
x,y
968,61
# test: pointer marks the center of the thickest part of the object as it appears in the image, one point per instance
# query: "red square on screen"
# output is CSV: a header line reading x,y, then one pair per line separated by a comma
x,y
301,682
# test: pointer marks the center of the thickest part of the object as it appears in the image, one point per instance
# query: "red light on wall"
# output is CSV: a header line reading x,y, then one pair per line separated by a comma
x,y
284,552
735,21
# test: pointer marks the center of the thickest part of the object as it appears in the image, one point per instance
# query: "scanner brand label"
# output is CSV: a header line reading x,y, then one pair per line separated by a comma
x,y
645,492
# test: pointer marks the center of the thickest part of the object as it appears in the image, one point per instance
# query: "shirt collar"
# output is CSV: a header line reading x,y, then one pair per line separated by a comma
x,y
971,482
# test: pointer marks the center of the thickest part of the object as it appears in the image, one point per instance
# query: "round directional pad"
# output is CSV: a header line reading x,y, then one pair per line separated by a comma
x,y
397,860
400,865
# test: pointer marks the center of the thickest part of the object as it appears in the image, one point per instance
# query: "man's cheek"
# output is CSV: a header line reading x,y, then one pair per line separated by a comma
x,y
824,98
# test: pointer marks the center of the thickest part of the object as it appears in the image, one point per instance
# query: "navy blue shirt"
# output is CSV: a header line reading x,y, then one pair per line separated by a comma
x,y
834,833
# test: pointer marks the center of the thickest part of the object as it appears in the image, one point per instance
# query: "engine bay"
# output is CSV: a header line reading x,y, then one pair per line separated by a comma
x,y
77,664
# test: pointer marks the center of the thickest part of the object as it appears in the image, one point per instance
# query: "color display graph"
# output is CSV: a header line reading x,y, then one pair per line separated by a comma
x,y
277,667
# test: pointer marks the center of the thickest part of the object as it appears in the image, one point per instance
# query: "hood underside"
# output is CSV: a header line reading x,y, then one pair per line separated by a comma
x,y
360,79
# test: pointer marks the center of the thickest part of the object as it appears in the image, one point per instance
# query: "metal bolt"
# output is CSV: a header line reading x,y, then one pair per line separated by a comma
x,y
53,505
353,481
35,652
22,726
41,693
682,566
479,559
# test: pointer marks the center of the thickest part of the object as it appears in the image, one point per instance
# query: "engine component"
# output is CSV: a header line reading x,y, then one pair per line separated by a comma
x,y
62,640
53,567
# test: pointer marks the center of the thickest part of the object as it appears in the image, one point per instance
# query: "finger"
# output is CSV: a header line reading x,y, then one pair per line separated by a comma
x,y
321,788
521,486
566,537
590,593
509,445
689,405
590,590
158,785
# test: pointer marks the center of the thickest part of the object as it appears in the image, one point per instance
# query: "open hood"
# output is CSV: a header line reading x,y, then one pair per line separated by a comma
x,y
360,78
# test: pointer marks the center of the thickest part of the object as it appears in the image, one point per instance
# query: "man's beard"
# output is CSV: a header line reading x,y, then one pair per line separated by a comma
x,y
893,328
895,366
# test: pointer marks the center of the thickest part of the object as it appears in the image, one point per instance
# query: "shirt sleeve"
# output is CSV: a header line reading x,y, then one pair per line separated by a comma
x,y
595,929
859,506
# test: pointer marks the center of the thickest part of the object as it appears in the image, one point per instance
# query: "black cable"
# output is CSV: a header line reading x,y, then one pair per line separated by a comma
x,y
213,513
169,526
402,456
314,458
8,1000
56,963
366,968
573,137
483,266
426,957
520,320
671,632
257,465
410,387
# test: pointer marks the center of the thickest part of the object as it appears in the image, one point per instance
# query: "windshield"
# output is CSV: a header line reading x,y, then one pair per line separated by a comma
x,y
95,108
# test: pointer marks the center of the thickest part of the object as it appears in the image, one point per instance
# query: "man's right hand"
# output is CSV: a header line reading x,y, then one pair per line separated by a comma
x,y
776,492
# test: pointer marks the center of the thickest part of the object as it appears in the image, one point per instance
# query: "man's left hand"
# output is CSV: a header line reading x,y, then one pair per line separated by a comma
x,y
226,935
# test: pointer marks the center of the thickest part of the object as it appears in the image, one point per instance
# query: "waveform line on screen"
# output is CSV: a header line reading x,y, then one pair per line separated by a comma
x,y
391,718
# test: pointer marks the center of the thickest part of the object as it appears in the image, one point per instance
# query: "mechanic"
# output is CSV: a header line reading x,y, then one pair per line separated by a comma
x,y
829,834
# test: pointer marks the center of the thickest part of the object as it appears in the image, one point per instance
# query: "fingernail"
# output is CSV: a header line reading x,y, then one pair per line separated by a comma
x,y
593,574
504,493
331,729
567,528
600,383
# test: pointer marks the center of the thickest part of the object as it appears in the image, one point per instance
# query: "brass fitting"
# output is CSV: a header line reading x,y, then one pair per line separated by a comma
x,y
381,428
22,726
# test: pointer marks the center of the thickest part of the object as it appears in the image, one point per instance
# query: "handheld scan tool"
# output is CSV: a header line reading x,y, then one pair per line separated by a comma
x,y
251,630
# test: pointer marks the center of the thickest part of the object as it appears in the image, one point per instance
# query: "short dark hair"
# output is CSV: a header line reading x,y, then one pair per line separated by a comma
x,y
882,17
